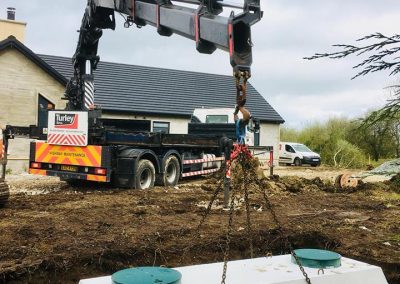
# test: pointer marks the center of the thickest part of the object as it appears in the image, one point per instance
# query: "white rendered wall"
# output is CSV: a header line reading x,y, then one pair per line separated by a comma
x,y
270,136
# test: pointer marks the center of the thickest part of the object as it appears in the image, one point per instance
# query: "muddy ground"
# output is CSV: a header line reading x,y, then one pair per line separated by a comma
x,y
61,235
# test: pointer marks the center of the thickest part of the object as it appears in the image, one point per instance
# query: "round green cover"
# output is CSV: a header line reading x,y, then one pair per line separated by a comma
x,y
147,275
316,258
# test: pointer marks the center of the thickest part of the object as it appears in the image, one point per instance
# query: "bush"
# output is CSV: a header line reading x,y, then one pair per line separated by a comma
x,y
347,155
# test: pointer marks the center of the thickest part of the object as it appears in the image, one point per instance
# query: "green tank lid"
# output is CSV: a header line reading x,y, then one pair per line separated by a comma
x,y
147,275
316,258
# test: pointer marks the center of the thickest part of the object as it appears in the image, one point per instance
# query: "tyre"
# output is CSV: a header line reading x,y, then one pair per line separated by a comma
x,y
145,175
4,194
172,172
297,162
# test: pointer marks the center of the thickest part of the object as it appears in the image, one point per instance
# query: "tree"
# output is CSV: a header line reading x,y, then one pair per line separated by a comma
x,y
383,55
395,132
347,155
289,134
374,138
392,121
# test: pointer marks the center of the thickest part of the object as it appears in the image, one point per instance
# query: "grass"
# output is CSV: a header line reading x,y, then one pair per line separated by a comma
x,y
395,238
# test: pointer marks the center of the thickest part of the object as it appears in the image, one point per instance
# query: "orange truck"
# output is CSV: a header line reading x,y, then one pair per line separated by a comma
x,y
76,144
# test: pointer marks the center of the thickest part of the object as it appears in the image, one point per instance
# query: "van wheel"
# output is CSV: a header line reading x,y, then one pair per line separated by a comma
x,y
172,172
145,175
297,162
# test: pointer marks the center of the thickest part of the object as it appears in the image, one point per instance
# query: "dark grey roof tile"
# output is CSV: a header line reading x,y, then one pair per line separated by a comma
x,y
132,88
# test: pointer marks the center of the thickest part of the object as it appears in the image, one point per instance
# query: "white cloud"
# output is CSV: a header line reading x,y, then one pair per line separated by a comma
x,y
302,109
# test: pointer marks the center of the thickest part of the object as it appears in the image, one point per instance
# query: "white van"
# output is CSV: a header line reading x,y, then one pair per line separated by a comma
x,y
297,154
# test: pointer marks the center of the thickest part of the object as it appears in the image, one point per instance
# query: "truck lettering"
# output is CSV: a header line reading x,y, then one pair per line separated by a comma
x,y
66,121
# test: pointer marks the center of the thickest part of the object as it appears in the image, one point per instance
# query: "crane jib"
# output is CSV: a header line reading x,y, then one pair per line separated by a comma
x,y
203,23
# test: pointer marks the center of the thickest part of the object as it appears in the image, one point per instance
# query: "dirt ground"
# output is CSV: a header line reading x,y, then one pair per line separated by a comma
x,y
52,233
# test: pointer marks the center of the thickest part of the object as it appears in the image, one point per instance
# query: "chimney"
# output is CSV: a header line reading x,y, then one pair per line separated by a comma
x,y
11,13
11,27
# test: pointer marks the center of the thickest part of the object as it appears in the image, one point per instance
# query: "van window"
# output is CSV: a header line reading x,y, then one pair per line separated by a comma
x,y
289,149
301,148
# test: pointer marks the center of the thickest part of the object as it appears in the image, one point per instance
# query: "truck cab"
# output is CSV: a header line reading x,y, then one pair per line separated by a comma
x,y
298,154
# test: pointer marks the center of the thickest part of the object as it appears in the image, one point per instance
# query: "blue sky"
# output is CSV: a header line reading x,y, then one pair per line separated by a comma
x,y
301,91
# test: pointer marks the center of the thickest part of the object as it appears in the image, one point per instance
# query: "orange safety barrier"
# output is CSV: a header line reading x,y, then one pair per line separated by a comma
x,y
89,156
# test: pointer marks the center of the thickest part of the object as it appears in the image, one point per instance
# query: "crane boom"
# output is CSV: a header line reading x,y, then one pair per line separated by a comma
x,y
202,24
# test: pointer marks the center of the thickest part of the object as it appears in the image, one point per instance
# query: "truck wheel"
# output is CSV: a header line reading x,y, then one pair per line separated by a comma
x,y
4,194
145,175
297,162
172,171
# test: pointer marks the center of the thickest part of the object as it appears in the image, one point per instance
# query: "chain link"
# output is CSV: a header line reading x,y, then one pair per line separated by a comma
x,y
245,182
229,234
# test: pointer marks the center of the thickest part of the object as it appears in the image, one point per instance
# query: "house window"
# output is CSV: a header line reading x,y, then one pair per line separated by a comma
x,y
217,119
44,105
159,126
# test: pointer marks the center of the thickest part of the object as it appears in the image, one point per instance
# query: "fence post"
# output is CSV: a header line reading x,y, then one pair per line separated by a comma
x,y
271,163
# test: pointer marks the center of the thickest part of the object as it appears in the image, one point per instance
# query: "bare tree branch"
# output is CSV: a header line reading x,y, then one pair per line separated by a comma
x,y
384,58
384,50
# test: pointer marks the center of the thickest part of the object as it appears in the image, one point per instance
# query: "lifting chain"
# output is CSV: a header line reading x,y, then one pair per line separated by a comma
x,y
241,78
242,159
244,164
243,176
280,230
248,176
243,171
229,234
205,214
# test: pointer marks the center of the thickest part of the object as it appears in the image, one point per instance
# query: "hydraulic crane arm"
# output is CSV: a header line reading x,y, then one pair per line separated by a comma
x,y
203,24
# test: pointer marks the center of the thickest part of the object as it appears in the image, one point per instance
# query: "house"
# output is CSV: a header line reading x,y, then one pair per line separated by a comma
x,y
30,83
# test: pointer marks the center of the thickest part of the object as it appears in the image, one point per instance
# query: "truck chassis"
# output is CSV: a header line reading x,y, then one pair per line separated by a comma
x,y
130,159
